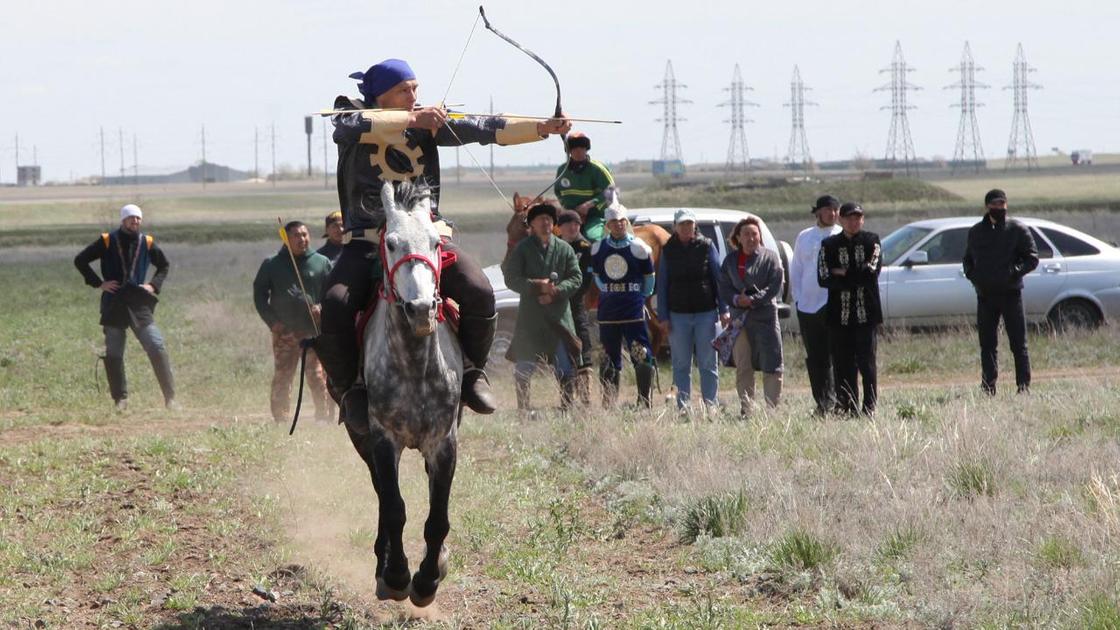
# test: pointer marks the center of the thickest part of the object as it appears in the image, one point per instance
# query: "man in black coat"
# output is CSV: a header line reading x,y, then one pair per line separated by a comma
x,y
999,253
848,266
128,300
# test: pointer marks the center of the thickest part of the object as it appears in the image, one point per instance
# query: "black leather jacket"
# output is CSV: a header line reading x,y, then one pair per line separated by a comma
x,y
998,255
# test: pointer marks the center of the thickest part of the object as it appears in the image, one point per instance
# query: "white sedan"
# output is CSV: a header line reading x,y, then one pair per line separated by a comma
x,y
1077,282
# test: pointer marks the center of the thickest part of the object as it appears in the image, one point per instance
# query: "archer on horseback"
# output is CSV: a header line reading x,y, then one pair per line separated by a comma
x,y
399,142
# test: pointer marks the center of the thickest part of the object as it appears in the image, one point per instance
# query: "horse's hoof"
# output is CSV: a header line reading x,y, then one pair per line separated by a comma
x,y
421,602
385,592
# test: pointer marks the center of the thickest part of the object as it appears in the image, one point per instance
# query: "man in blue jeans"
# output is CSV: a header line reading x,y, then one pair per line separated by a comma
x,y
688,302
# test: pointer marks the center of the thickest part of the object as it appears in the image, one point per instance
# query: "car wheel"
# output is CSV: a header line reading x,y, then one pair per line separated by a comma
x,y
1074,314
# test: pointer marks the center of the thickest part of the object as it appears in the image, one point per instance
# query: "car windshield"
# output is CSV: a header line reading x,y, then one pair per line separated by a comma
x,y
897,242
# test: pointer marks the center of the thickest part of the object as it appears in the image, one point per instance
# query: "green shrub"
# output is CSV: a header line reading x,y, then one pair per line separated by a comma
x,y
969,479
716,516
900,542
803,551
1059,553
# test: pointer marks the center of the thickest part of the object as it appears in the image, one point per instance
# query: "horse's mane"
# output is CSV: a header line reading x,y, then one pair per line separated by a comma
x,y
408,194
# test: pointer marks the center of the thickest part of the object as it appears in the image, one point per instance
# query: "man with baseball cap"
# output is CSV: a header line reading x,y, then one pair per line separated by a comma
x,y
544,271
128,300
848,265
623,270
581,185
569,223
688,302
386,137
333,232
810,300
999,252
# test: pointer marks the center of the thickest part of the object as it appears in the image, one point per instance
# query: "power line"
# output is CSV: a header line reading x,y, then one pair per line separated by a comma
x,y
798,153
899,144
969,149
738,154
670,138
1021,144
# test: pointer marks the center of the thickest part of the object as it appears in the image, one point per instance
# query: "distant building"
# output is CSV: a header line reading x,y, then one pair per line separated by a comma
x,y
192,175
29,175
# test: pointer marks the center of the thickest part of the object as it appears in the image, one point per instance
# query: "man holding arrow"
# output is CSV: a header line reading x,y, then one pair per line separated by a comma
x,y
288,304
395,142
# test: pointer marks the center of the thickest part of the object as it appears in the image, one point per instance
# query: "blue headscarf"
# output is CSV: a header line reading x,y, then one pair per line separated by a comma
x,y
381,77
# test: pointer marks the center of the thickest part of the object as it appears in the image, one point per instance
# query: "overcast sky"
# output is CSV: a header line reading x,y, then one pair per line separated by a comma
x,y
162,69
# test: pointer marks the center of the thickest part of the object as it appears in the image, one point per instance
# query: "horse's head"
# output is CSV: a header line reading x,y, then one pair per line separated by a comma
x,y
410,250
518,228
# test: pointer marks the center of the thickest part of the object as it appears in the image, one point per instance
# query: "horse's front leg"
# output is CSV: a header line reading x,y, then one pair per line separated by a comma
x,y
392,576
363,444
433,568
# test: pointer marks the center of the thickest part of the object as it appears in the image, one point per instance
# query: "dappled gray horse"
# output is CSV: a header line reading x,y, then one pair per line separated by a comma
x,y
413,370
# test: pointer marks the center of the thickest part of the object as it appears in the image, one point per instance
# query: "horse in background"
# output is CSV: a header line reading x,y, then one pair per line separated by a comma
x,y
651,234
413,369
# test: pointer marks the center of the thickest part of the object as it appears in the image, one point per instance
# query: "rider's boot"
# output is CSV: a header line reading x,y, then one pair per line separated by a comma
x,y
338,353
475,336
643,374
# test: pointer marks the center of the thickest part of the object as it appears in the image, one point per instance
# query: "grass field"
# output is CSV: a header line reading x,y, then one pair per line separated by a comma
x,y
948,509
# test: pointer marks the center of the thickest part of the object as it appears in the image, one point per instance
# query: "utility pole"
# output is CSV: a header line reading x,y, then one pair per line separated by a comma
x,y
204,156
798,153
899,143
969,147
135,161
274,155
102,129
256,157
120,141
307,128
17,158
670,138
1021,143
738,156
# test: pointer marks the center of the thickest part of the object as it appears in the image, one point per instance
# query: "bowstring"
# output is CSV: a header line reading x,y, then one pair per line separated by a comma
x,y
459,63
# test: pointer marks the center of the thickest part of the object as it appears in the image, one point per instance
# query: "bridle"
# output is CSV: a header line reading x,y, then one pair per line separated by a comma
x,y
389,287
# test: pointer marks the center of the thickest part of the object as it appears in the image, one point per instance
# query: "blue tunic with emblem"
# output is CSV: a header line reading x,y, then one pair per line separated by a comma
x,y
623,270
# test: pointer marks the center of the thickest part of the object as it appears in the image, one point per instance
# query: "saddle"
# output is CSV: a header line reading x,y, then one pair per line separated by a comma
x,y
449,310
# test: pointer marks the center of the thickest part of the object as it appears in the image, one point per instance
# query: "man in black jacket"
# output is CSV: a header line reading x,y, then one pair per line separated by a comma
x,y
128,300
999,253
848,266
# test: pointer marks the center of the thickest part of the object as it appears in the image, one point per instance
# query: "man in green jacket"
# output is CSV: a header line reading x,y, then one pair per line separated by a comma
x,y
288,312
581,186
544,270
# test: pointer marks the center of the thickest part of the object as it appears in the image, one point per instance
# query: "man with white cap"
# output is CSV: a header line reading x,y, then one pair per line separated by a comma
x,y
128,300
623,270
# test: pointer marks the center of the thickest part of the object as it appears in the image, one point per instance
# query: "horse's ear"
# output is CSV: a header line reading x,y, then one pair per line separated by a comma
x,y
516,202
388,202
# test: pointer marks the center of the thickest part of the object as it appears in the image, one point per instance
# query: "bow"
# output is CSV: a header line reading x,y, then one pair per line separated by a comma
x,y
558,112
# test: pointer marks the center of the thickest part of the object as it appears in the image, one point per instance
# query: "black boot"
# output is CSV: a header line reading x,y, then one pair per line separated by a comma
x,y
521,386
475,336
338,353
118,386
643,374
567,392
161,364
608,380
